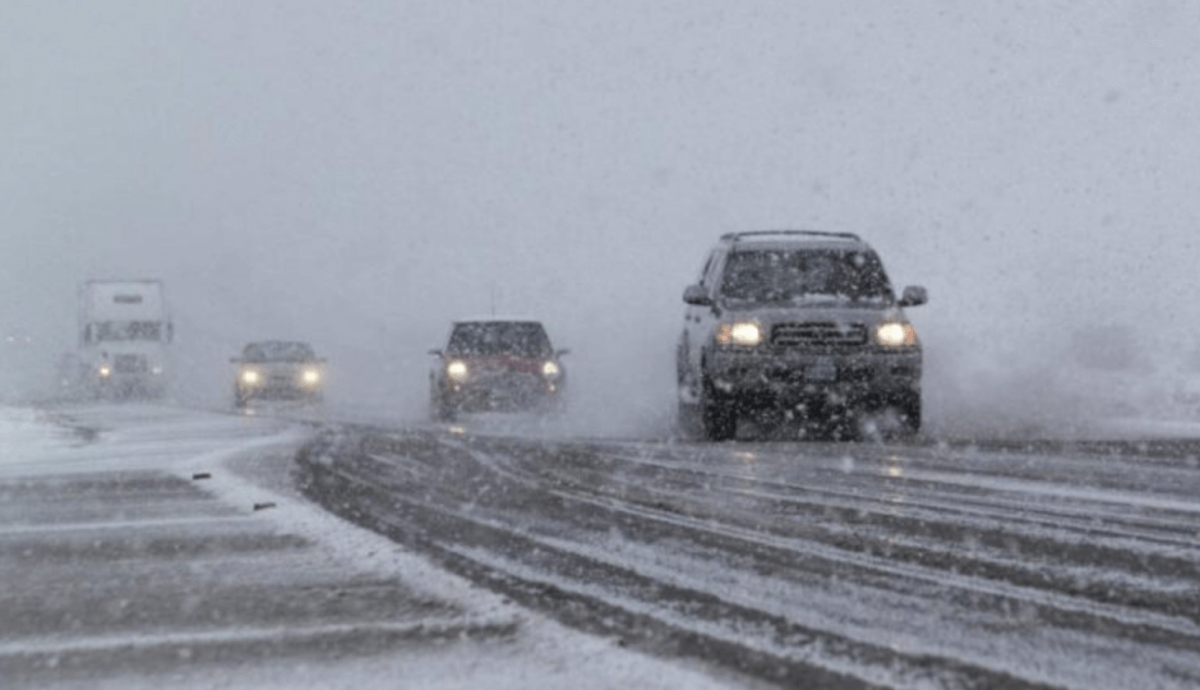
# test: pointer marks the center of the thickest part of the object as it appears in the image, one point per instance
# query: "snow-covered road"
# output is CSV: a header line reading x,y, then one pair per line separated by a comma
x,y
145,546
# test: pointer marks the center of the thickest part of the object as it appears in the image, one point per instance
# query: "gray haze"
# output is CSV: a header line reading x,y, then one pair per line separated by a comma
x,y
359,173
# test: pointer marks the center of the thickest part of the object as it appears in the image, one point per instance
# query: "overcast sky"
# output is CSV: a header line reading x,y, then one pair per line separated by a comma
x,y
359,173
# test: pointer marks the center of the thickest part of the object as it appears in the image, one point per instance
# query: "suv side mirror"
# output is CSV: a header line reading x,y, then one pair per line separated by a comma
x,y
697,295
560,353
914,296
436,353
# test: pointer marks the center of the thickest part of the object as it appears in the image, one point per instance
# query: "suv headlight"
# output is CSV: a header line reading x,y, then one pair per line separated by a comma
x,y
747,333
895,334
457,370
311,377
551,370
250,377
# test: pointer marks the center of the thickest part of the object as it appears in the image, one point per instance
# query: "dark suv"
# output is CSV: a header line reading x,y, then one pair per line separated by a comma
x,y
800,323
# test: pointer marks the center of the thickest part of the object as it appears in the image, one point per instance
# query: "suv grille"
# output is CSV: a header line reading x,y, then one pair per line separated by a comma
x,y
818,334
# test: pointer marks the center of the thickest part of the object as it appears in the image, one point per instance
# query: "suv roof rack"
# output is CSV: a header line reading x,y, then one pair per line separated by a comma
x,y
735,236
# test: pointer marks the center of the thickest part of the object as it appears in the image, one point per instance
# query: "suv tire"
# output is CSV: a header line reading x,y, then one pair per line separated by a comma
x,y
718,417
909,408
439,409
443,413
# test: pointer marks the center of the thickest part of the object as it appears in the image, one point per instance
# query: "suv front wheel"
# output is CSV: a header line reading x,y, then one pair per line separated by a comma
x,y
703,413
440,409
909,408
719,417
898,415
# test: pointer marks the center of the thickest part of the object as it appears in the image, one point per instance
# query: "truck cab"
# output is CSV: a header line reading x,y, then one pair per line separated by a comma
x,y
124,334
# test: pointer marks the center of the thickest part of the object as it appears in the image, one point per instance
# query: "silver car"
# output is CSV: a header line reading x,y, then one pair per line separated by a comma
x,y
279,370
802,324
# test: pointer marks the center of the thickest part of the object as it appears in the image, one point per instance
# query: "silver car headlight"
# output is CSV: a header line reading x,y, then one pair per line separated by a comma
x,y
250,377
310,377
895,334
456,370
746,333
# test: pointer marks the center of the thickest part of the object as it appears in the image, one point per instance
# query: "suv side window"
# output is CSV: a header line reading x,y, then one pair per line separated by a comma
x,y
707,265
712,273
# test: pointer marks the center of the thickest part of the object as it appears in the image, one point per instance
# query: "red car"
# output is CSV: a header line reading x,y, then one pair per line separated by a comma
x,y
496,365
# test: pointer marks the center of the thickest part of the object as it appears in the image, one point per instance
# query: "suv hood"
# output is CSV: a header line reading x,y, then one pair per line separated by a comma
x,y
839,313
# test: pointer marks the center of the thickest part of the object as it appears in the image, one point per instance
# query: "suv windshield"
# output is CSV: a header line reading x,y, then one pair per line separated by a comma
x,y
786,275
499,338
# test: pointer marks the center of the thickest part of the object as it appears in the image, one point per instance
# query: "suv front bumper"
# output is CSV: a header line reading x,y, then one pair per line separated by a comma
x,y
507,393
790,378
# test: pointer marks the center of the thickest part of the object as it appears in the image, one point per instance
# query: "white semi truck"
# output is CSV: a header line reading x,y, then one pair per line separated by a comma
x,y
124,335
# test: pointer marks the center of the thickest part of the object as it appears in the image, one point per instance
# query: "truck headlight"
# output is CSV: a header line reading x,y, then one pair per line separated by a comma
x,y
105,372
250,377
551,370
896,335
310,377
747,333
457,370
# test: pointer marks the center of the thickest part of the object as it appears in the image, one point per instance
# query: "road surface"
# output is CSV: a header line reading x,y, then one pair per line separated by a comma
x,y
1042,565
151,547
142,546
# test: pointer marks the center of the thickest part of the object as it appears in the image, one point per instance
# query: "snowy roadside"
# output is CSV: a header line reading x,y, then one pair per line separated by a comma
x,y
1144,406
243,463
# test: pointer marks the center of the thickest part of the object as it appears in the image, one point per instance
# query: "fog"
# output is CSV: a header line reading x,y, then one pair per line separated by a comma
x,y
358,174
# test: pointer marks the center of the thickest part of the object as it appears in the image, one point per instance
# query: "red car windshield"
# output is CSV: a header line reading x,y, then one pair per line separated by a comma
x,y
488,338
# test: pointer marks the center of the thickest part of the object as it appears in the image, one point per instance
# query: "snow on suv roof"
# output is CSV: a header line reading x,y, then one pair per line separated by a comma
x,y
496,319
781,239
790,234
